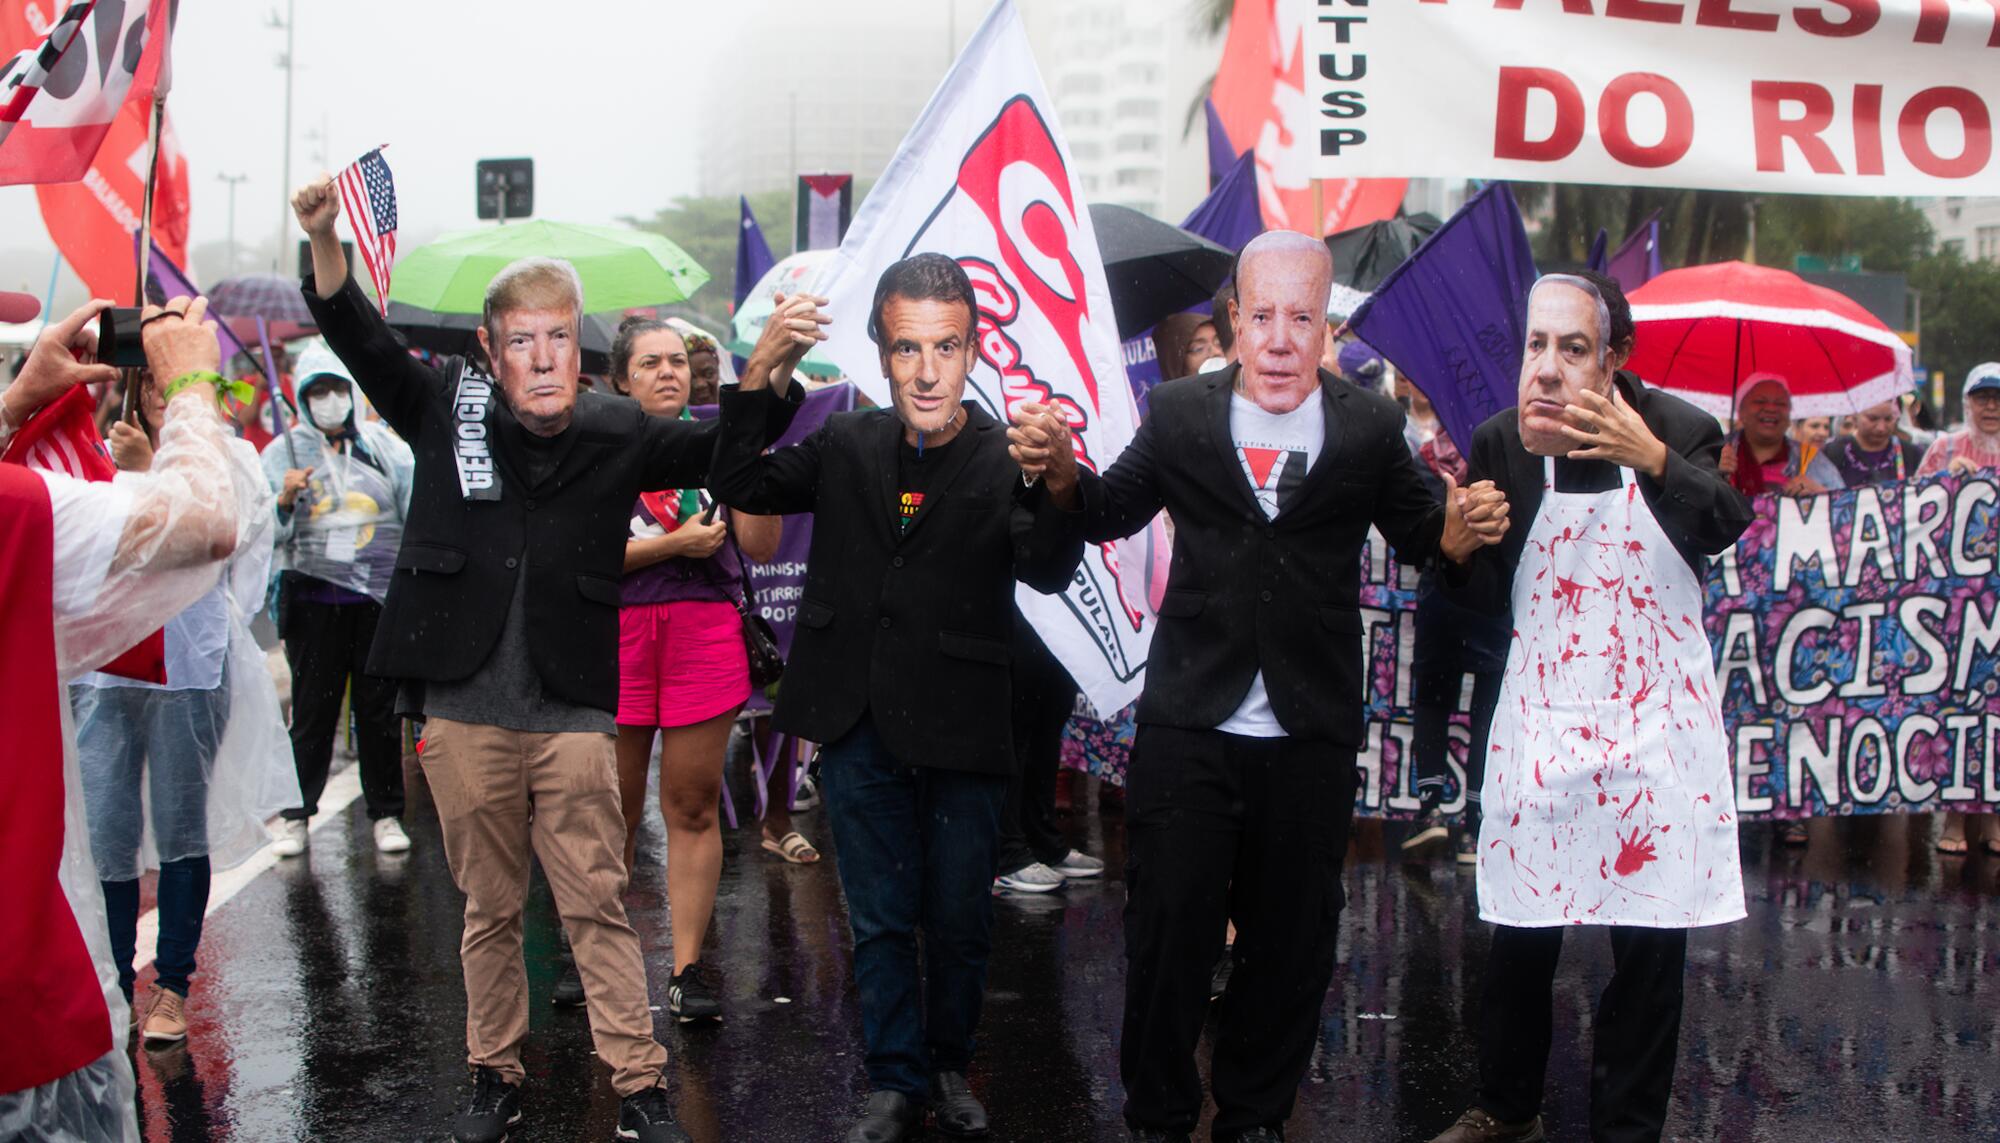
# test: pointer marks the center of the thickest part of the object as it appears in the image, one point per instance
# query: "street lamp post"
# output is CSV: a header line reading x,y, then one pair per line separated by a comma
x,y
288,23
232,180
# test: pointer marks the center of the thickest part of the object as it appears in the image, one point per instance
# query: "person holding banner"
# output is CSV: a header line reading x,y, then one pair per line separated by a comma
x,y
1974,448
1608,798
1761,456
1873,453
1243,774
343,488
502,618
922,525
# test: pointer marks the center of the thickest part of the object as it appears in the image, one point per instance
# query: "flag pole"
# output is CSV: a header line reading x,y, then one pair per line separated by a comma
x,y
145,244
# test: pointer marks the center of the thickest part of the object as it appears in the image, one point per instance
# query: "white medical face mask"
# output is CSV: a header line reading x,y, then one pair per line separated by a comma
x,y
330,409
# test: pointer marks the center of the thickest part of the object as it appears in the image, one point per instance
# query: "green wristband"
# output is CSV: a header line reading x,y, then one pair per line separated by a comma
x,y
241,390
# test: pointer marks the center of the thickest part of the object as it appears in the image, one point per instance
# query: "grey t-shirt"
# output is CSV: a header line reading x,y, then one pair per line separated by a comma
x,y
506,692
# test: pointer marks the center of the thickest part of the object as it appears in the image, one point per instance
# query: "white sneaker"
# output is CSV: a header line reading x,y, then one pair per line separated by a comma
x,y
1036,878
290,840
1079,866
389,836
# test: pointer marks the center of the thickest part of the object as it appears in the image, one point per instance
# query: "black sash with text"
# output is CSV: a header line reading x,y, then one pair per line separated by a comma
x,y
472,435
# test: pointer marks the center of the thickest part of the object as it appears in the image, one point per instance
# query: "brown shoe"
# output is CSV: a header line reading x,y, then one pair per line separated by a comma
x,y
166,1018
1475,1126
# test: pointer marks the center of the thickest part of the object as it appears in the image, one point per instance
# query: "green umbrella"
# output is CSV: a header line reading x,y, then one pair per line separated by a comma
x,y
620,268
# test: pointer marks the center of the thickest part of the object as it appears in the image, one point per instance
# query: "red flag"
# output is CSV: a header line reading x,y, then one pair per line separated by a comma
x,y
63,438
93,221
1260,94
64,85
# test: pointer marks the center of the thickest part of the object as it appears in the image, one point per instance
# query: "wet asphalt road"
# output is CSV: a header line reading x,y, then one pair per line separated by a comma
x,y
1859,1001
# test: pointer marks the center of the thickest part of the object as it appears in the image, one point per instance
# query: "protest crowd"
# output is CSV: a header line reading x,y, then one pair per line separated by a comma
x,y
1620,578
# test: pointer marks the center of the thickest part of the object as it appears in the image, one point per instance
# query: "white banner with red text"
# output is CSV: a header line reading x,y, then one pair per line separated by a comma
x,y
1862,97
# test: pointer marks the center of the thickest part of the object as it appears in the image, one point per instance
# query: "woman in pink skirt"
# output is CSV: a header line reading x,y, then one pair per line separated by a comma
x,y
683,670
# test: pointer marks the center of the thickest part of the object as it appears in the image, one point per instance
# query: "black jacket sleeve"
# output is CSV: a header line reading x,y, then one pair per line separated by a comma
x,y
1126,497
400,387
1406,513
1697,507
748,479
1048,541
680,454
1485,583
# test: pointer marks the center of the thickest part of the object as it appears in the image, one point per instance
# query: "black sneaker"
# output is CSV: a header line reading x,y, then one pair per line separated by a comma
x,y
649,1118
691,995
492,1108
569,987
1430,828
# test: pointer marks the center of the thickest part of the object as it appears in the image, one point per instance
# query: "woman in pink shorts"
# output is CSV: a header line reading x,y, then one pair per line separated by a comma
x,y
683,671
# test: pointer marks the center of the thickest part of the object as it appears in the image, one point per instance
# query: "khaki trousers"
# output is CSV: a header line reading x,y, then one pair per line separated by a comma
x,y
500,795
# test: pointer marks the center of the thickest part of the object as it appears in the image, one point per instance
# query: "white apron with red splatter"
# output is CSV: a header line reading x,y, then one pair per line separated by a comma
x,y
1608,798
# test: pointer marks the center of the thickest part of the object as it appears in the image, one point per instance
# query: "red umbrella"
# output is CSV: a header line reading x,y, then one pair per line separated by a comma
x,y
1704,328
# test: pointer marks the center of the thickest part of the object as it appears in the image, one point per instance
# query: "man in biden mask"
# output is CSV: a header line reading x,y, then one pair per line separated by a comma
x,y
343,484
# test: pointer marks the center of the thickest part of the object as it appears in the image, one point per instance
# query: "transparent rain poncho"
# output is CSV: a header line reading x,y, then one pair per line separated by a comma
x,y
193,497
346,526
203,762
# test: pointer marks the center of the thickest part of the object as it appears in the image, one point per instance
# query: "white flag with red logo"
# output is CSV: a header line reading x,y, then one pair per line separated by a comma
x,y
61,92
985,177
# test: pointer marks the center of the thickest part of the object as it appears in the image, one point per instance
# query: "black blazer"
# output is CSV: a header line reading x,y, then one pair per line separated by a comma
x,y
1246,592
1697,507
460,559
912,629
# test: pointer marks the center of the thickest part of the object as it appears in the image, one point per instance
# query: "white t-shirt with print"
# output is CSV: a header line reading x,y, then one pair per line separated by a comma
x,y
1276,451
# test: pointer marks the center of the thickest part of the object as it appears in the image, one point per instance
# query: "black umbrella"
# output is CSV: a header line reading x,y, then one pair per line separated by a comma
x,y
1363,256
454,333
1154,269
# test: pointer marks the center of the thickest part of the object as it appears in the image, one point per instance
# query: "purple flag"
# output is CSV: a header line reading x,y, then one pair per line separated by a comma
x,y
1452,317
1222,154
1598,259
1638,259
753,255
172,282
1230,215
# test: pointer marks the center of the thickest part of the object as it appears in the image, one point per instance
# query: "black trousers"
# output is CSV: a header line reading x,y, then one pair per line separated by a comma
x,y
1044,698
1637,1031
327,646
1219,828
1436,694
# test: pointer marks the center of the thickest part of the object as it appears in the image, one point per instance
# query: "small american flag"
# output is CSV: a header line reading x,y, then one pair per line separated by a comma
x,y
368,195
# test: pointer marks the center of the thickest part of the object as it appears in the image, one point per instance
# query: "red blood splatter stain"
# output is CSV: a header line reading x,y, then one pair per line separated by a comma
x,y
1705,798
1634,545
1633,854
1517,819
1603,871
1601,798
1585,731
1569,595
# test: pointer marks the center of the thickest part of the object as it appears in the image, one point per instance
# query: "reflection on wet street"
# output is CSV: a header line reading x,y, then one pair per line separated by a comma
x,y
1860,1001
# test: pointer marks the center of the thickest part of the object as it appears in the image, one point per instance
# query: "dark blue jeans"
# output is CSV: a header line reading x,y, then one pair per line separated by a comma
x,y
916,849
183,898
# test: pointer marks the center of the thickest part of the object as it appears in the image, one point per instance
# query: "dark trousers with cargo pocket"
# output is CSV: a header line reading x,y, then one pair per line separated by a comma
x,y
1221,828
